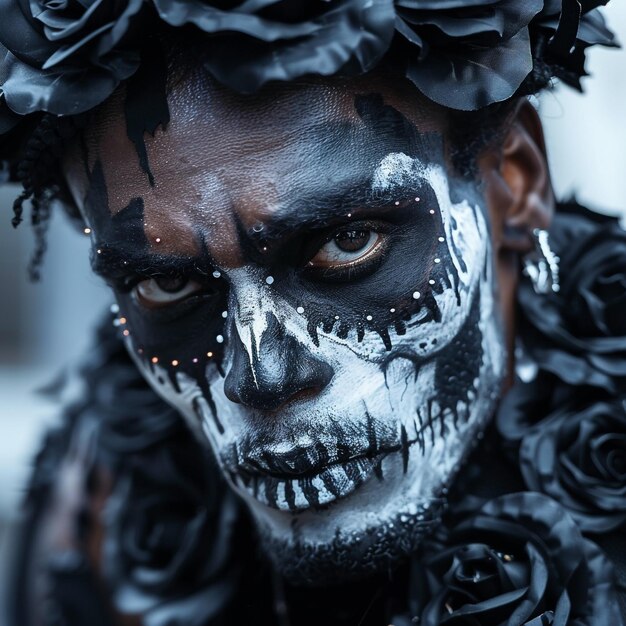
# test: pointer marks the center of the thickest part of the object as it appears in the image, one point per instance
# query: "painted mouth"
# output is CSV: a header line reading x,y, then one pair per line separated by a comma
x,y
306,478
315,488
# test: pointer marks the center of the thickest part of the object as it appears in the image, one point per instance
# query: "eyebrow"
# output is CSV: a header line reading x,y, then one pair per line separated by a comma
x,y
321,209
114,263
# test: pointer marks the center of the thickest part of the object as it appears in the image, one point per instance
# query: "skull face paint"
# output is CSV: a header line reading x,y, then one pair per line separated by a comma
x,y
317,300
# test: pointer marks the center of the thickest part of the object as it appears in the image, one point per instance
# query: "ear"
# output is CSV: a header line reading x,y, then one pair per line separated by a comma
x,y
520,199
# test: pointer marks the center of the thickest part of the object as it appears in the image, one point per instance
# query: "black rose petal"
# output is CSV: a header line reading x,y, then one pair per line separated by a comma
x,y
578,457
579,334
255,43
170,536
468,55
65,57
572,27
521,561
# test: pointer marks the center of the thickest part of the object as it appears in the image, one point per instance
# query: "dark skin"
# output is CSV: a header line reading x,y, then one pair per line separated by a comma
x,y
250,147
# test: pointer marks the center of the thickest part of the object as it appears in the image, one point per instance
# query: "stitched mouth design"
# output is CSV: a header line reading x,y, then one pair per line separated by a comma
x,y
304,479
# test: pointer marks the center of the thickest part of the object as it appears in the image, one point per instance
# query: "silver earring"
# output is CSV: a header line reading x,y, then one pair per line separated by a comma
x,y
541,265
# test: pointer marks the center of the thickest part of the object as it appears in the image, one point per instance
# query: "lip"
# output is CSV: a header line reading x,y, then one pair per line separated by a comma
x,y
309,476
314,488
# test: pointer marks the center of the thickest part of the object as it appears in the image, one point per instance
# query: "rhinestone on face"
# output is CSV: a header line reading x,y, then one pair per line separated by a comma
x,y
300,310
219,339
416,295
269,280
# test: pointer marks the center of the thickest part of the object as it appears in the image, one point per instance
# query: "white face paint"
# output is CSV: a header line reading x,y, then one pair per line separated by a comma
x,y
353,474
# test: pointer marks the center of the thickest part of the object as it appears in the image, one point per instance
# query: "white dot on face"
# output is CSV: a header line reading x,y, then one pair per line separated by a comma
x,y
431,282
195,360
392,310
224,314
417,199
158,239
336,317
99,251
349,214
269,280
397,203
300,310
219,339
441,239
369,318
437,260
432,211
416,295
216,274
87,231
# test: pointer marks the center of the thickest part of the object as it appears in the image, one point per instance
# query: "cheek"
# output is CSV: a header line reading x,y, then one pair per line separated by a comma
x,y
184,337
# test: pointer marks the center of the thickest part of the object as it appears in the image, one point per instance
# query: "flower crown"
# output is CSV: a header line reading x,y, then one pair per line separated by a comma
x,y
65,57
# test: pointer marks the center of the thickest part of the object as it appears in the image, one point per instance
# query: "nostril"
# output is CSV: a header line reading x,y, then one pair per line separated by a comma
x,y
231,390
304,394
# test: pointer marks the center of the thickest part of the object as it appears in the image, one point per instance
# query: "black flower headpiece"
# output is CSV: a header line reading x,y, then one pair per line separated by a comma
x,y
66,56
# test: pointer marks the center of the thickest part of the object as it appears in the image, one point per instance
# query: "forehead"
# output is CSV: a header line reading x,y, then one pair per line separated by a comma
x,y
226,161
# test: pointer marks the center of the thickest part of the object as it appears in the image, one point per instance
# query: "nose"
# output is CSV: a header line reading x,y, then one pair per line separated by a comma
x,y
280,370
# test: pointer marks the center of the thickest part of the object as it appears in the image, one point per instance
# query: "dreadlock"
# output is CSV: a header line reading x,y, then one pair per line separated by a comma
x,y
38,171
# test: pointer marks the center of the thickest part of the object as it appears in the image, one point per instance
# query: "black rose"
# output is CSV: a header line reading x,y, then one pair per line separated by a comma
x,y
570,28
521,561
170,540
579,458
579,334
466,55
65,56
256,42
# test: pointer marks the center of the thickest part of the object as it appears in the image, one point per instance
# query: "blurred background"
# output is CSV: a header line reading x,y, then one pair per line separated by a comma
x,y
44,327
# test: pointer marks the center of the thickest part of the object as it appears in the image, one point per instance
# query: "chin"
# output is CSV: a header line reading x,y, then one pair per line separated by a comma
x,y
371,530
348,556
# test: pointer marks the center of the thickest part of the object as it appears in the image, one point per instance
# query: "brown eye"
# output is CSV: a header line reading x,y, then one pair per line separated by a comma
x,y
164,290
352,240
348,246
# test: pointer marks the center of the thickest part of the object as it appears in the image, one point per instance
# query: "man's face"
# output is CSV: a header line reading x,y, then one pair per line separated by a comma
x,y
312,287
